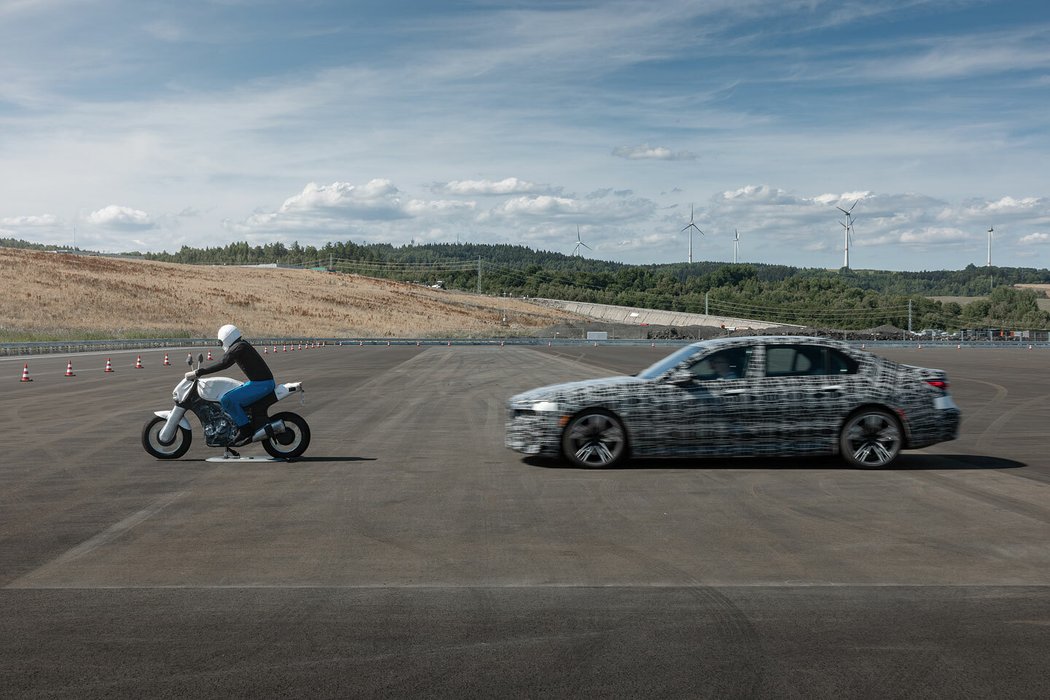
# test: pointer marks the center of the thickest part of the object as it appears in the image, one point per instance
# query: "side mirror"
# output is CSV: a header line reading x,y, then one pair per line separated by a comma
x,y
681,377
200,359
189,360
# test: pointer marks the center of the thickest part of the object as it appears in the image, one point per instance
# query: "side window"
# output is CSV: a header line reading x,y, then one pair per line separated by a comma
x,y
841,363
806,361
724,364
793,361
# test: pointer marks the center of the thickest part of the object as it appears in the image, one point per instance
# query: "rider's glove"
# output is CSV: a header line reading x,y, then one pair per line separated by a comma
x,y
191,375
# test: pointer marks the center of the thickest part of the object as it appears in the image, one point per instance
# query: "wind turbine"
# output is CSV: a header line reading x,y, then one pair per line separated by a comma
x,y
736,244
691,225
991,229
579,243
849,230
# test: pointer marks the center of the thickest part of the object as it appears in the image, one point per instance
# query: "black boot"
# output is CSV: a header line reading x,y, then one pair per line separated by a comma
x,y
242,437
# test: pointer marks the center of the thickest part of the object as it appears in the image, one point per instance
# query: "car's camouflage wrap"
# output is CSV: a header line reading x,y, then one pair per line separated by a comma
x,y
790,396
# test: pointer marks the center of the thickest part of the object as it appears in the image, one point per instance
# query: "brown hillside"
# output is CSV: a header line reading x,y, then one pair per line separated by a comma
x,y
62,295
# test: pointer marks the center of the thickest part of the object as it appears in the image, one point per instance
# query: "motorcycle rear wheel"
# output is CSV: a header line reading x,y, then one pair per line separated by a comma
x,y
293,441
152,444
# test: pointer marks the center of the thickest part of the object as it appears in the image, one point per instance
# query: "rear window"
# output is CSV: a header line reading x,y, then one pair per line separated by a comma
x,y
807,361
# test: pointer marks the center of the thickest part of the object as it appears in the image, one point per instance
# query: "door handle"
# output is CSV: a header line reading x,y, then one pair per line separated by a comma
x,y
734,392
833,387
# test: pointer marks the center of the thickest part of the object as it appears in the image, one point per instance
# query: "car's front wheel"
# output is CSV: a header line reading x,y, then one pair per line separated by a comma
x,y
870,439
594,438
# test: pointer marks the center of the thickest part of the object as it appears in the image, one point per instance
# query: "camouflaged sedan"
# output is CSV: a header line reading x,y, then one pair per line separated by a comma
x,y
741,397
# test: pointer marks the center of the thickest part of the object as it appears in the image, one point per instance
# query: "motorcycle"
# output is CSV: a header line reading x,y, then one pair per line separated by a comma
x,y
167,435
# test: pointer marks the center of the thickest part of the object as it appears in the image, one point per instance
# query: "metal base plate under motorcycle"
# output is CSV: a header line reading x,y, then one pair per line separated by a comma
x,y
234,456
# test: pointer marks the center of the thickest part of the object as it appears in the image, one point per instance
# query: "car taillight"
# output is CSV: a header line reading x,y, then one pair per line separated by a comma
x,y
941,384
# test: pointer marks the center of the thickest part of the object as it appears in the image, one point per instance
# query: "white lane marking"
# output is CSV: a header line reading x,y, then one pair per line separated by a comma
x,y
108,535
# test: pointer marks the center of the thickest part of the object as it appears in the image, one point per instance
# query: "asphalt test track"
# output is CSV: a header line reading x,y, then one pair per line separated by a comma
x,y
411,554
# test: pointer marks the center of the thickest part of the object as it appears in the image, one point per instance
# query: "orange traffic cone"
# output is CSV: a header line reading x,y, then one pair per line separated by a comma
x,y
138,362
189,358
25,373
209,356
109,367
265,351
166,363
69,369
274,349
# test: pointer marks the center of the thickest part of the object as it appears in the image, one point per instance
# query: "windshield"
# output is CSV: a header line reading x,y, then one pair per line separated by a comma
x,y
663,366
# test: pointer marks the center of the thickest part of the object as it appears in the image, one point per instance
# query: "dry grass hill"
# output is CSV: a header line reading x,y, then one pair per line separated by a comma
x,y
51,295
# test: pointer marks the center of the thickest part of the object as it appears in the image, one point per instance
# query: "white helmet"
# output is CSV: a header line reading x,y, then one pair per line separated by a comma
x,y
228,335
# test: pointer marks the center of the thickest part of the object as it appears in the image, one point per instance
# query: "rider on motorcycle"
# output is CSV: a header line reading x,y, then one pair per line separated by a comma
x,y
260,379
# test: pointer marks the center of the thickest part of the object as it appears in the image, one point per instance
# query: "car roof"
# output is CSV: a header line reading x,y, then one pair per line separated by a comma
x,y
769,340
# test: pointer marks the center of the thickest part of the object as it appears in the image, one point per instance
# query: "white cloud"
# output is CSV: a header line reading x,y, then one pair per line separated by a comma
x,y
585,210
647,152
934,236
343,207
120,218
543,205
46,220
1010,204
1034,239
377,199
509,185
420,207
759,194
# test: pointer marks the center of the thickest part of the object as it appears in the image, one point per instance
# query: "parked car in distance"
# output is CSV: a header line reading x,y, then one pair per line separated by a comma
x,y
741,397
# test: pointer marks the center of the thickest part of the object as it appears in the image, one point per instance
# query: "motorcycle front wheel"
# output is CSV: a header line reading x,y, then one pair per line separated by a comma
x,y
152,444
293,441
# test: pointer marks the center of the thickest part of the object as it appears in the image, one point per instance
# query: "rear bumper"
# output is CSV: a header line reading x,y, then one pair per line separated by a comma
x,y
942,424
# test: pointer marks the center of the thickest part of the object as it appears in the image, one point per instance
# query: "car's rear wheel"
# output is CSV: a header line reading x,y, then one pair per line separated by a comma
x,y
594,438
870,439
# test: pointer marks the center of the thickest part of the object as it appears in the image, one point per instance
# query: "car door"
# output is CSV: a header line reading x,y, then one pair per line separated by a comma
x,y
802,397
714,402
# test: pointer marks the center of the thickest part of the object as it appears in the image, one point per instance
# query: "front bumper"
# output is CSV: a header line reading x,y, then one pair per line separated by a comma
x,y
533,432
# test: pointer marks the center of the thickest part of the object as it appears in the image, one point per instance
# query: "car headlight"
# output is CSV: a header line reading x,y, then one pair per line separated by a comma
x,y
535,406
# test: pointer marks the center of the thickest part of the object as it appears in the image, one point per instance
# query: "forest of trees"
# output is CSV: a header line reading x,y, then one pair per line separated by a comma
x,y
842,299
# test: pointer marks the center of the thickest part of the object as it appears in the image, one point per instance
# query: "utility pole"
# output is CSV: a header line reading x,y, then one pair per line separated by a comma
x,y
909,316
479,274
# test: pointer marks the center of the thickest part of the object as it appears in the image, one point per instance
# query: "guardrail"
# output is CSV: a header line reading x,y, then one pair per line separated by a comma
x,y
81,346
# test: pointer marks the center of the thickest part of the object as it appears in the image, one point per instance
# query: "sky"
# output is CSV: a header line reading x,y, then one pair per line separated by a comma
x,y
147,125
